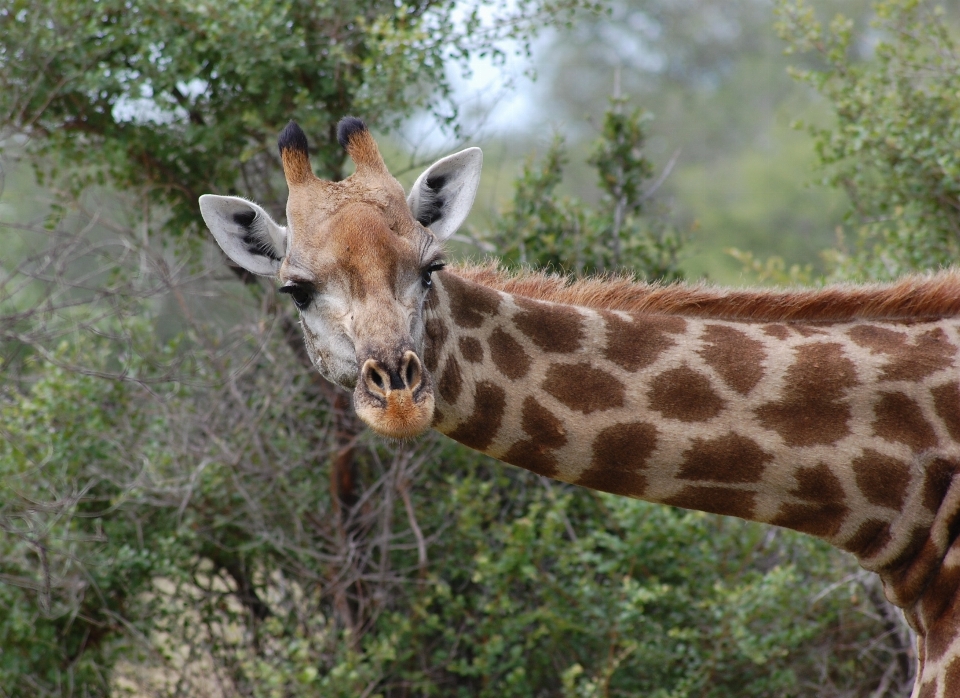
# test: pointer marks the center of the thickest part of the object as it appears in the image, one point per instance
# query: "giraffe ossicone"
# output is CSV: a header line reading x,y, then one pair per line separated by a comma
x,y
833,411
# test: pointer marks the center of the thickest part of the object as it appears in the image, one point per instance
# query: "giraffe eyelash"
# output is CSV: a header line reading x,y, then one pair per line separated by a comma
x,y
429,250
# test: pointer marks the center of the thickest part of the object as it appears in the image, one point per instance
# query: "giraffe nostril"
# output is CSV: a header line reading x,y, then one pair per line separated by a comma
x,y
374,378
411,370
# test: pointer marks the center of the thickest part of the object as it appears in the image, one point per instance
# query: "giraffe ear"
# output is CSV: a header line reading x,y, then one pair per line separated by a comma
x,y
442,196
245,232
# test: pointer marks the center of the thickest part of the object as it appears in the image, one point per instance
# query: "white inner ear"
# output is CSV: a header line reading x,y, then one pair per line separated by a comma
x,y
442,196
245,232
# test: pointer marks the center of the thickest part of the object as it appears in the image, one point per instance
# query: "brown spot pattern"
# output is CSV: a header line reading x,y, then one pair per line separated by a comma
x,y
471,349
951,678
939,596
813,409
911,569
481,427
436,337
716,500
451,381
684,394
936,481
900,419
583,387
818,484
821,519
637,344
553,328
508,355
470,304
870,538
808,331
943,631
730,458
824,517
946,403
776,331
533,457
737,358
927,587
619,452
542,425
546,434
911,553
882,480
928,690
908,361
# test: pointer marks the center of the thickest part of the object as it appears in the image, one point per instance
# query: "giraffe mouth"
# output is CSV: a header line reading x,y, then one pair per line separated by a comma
x,y
395,402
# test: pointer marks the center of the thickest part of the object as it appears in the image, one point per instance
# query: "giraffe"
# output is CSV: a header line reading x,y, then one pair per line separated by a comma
x,y
834,412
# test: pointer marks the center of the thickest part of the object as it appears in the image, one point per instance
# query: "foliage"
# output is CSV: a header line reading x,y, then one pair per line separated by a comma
x,y
894,146
544,229
185,98
583,594
773,269
713,75
71,557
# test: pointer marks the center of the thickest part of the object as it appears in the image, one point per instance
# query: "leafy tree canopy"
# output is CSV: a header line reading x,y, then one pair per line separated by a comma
x,y
895,145
184,98
564,234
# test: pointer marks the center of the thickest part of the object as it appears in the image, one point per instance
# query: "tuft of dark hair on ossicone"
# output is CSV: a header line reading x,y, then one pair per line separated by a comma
x,y
292,137
348,126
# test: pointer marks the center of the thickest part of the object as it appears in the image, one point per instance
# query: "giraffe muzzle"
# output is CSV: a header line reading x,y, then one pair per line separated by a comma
x,y
395,400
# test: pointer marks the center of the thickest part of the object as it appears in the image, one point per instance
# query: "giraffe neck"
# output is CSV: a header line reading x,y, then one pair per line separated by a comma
x,y
848,431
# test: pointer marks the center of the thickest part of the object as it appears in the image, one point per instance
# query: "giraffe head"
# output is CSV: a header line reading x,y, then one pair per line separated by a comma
x,y
356,257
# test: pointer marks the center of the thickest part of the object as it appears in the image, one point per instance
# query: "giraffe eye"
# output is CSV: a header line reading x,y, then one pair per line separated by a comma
x,y
301,294
425,275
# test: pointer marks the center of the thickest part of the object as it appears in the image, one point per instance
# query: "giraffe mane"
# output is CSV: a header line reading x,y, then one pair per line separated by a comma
x,y
920,296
